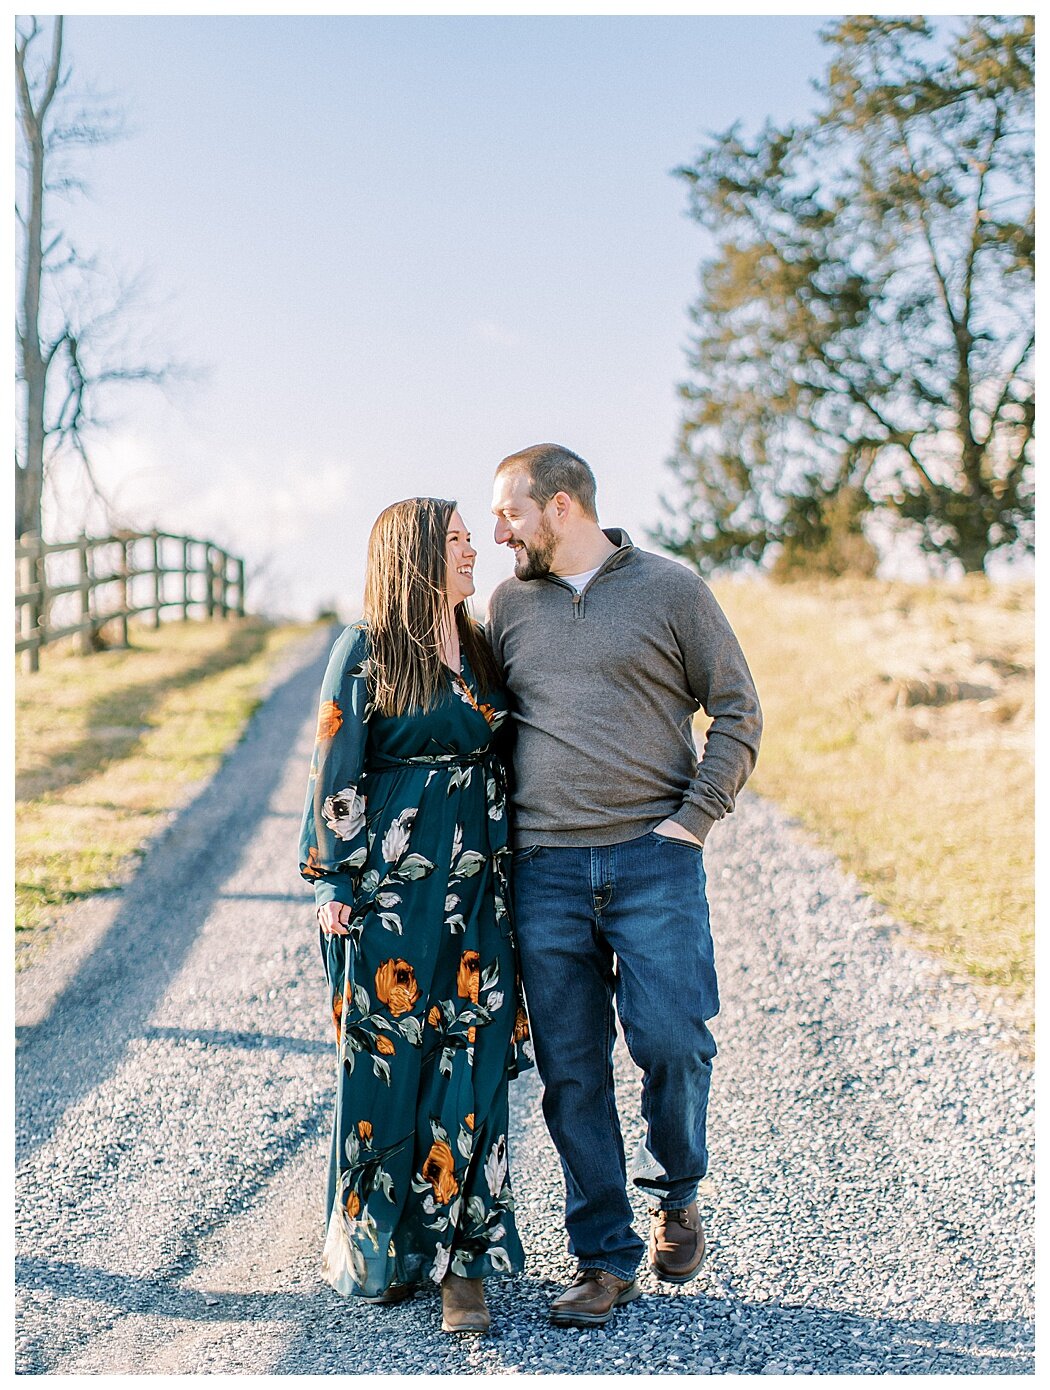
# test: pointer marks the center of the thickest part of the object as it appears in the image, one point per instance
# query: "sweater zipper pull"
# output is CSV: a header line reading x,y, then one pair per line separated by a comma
x,y
577,605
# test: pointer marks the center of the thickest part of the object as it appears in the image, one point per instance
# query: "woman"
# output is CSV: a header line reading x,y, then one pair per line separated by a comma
x,y
404,838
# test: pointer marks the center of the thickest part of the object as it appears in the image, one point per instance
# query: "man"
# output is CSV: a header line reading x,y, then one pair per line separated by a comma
x,y
608,653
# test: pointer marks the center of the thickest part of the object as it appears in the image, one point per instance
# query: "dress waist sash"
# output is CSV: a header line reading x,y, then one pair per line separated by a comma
x,y
495,783
381,762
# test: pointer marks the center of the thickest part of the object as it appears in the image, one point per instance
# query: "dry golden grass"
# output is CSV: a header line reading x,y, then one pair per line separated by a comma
x,y
108,745
899,729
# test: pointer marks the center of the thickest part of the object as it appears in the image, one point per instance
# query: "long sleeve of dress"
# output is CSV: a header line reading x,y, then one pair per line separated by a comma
x,y
333,842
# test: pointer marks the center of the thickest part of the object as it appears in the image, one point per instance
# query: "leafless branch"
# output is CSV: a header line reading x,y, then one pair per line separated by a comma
x,y
1005,395
73,337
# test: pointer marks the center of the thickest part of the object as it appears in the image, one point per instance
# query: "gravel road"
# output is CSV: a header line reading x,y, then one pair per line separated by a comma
x,y
869,1208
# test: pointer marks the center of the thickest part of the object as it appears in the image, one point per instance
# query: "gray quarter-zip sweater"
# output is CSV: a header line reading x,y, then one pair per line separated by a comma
x,y
604,687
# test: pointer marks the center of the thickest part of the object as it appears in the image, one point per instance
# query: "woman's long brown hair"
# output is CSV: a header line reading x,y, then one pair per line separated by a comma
x,y
405,605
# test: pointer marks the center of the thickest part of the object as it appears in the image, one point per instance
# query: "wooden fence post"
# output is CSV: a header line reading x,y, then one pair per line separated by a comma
x,y
157,579
125,597
224,573
223,576
30,619
43,612
185,578
84,642
239,582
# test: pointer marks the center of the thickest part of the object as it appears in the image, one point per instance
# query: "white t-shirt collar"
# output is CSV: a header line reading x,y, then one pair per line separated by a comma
x,y
580,581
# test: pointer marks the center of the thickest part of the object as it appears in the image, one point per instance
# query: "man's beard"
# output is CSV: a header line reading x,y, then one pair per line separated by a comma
x,y
539,555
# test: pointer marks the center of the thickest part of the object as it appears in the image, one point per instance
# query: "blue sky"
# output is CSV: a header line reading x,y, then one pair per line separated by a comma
x,y
400,248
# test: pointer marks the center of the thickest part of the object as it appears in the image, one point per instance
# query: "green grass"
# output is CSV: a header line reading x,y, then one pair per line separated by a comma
x,y
929,800
108,745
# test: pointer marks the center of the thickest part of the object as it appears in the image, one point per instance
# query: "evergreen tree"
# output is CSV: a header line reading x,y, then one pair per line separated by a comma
x,y
864,331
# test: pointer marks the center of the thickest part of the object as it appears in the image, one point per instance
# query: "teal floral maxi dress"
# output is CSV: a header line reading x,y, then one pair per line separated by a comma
x,y
406,822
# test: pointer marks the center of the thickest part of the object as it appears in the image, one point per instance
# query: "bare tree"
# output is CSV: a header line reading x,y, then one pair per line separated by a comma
x,y
72,330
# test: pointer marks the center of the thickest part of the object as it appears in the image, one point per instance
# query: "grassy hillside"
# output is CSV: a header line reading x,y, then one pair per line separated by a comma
x,y
108,745
899,729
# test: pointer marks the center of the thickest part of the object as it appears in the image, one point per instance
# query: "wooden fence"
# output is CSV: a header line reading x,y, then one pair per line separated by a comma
x,y
75,588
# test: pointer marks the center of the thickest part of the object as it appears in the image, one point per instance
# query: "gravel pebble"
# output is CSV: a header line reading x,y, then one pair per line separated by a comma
x,y
869,1206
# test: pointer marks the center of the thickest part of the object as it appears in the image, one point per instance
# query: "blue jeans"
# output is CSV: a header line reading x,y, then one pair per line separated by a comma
x,y
630,922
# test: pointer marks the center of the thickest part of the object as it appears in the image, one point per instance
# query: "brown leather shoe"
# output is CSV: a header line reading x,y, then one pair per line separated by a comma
x,y
463,1305
676,1244
396,1293
590,1299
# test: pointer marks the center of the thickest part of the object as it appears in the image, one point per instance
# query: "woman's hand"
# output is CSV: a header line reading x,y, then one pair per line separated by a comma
x,y
333,918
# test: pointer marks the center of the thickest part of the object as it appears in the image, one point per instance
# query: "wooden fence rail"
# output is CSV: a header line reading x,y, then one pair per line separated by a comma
x,y
75,588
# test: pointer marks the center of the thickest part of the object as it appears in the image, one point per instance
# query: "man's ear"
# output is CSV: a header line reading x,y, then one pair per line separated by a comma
x,y
562,505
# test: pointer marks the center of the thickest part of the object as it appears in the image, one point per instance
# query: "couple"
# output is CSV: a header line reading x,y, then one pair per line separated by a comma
x,y
523,800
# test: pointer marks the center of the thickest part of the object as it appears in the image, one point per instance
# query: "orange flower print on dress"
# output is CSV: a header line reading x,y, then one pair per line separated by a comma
x,y
353,1204
465,693
468,1120
521,1025
329,720
385,1045
396,986
364,1129
467,979
438,1171
434,1017
312,868
489,713
337,1016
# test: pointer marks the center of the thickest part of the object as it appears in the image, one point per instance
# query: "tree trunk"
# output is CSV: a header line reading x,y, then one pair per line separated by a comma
x,y
29,486
972,561
30,480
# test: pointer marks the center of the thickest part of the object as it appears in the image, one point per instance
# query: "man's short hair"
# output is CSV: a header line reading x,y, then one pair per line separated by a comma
x,y
551,469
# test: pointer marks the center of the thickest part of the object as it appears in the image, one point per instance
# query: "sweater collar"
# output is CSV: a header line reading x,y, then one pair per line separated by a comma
x,y
620,539
624,549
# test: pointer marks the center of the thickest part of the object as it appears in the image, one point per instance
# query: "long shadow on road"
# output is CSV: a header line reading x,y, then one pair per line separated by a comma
x,y
160,1296
828,1340
110,998
825,1338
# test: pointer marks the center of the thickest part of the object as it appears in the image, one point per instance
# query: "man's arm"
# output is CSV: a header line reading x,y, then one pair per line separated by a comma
x,y
721,683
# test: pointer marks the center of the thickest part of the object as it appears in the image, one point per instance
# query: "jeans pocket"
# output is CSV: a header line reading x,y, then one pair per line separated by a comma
x,y
527,852
696,847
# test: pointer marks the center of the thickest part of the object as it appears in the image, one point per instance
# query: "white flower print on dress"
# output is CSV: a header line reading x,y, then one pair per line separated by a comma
x,y
344,813
496,1166
395,841
440,1265
342,1263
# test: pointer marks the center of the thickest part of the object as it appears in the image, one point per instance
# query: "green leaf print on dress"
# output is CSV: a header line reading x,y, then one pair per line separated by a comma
x,y
405,823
